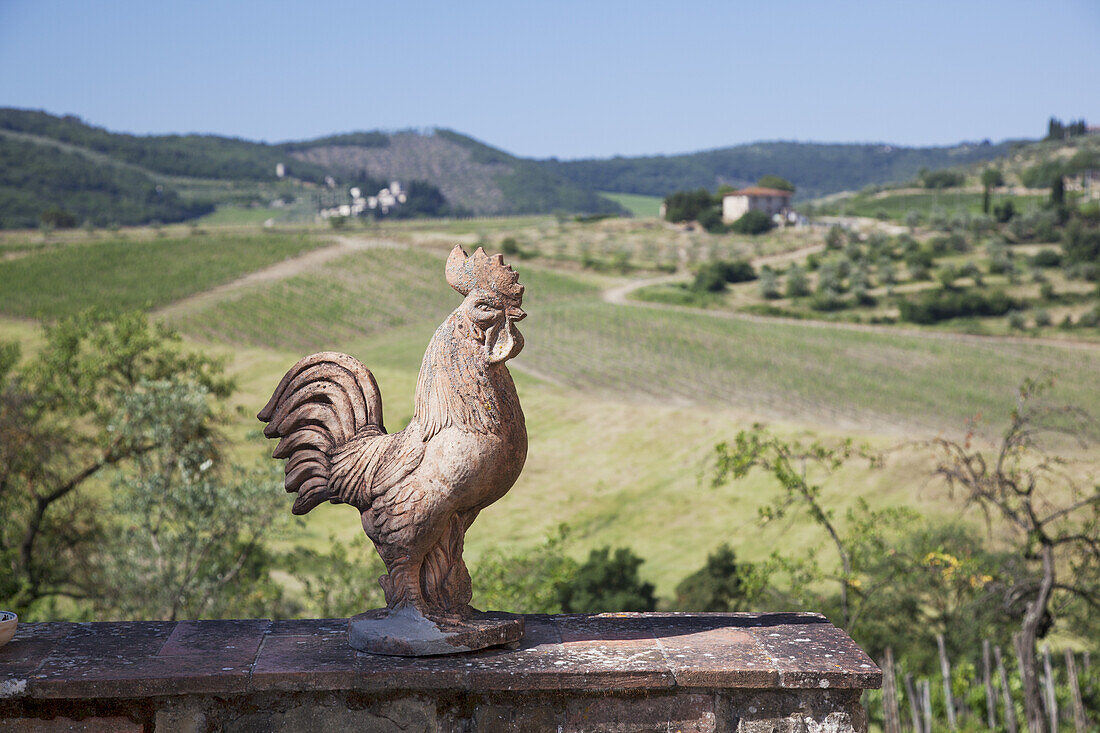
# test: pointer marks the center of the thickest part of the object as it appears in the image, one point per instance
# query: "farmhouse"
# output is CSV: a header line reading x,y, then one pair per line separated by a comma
x,y
771,201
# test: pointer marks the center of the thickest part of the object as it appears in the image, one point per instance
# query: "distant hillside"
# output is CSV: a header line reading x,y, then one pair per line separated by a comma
x,y
49,161
471,174
1027,171
192,156
35,178
815,168
104,177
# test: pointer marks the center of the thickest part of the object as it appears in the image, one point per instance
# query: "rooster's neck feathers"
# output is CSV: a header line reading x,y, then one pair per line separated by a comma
x,y
458,387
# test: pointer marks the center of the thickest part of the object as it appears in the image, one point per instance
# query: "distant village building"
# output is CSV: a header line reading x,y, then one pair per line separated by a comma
x,y
280,170
772,201
384,201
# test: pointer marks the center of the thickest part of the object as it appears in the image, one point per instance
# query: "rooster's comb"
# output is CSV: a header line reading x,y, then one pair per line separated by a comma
x,y
479,270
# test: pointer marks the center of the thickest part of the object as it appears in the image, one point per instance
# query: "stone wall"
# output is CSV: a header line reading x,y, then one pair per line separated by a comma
x,y
610,672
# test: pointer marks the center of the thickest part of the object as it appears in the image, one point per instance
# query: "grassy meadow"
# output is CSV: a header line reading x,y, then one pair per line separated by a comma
x,y
636,204
895,205
624,402
120,274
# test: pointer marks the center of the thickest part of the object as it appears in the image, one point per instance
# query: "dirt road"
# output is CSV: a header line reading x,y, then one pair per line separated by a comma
x,y
279,271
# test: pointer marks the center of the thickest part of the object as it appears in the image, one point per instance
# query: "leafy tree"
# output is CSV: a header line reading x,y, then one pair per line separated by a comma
x,y
789,463
187,535
1058,130
834,238
687,205
775,182
1058,191
340,582
529,581
991,178
607,583
753,222
720,585
57,218
65,419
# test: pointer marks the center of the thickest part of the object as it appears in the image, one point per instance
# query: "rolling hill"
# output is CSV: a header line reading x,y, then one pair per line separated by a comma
x,y
111,178
103,177
816,168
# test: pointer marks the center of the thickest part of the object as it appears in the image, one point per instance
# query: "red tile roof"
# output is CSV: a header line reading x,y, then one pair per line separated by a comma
x,y
757,191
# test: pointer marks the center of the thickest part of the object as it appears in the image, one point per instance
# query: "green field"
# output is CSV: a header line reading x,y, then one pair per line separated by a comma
x,y
240,215
121,274
895,205
635,203
624,403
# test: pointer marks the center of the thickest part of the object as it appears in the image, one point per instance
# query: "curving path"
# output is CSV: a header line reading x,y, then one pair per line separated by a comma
x,y
279,271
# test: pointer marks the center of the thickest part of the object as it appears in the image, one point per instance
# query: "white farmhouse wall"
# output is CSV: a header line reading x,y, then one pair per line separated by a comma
x,y
734,207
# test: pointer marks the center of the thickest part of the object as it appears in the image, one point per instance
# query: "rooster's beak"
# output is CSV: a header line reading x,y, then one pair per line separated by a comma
x,y
515,314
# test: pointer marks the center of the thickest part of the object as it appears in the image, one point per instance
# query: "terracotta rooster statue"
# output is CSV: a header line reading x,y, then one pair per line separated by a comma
x,y
420,489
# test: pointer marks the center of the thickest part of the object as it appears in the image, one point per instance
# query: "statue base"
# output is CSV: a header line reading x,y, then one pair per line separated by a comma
x,y
407,633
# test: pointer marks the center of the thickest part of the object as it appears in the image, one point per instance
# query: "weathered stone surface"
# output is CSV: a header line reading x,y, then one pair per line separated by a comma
x,y
405,632
418,490
226,639
398,716
625,672
714,651
688,713
326,662
68,725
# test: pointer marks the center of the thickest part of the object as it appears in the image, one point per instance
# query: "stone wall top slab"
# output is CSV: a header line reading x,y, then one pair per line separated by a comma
x,y
581,652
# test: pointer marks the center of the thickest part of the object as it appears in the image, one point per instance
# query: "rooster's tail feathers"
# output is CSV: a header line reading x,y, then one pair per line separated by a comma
x,y
322,403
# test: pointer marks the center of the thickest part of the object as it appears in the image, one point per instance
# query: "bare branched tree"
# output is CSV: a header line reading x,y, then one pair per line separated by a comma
x,y
1052,514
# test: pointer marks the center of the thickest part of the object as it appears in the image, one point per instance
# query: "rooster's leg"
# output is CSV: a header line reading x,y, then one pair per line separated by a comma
x,y
403,584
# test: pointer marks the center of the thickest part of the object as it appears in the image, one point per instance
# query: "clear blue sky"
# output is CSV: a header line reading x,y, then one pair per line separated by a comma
x,y
571,79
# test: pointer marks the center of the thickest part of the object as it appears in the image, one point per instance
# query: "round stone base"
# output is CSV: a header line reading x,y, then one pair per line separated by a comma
x,y
407,633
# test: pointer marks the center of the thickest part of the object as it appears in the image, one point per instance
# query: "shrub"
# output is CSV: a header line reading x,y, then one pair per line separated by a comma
x,y
1042,318
863,296
828,300
1004,211
834,238
1046,292
709,279
57,218
509,246
1047,258
1091,318
721,585
798,285
934,306
1081,243
913,219
972,271
940,179
753,222
769,284
608,583
713,276
711,220
1017,321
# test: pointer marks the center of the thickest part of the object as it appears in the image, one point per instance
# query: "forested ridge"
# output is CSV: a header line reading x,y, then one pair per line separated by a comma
x,y
817,168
